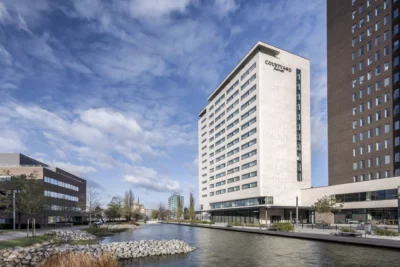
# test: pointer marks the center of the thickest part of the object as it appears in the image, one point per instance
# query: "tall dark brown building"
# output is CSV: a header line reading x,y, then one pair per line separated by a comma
x,y
363,94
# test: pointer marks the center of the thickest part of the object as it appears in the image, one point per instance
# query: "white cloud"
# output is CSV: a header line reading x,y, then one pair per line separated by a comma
x,y
224,7
149,179
11,144
156,8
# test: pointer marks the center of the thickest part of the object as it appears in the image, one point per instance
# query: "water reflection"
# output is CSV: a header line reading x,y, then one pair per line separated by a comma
x,y
225,248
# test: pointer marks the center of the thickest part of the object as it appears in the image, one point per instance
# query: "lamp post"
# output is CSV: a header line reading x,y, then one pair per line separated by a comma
x,y
14,210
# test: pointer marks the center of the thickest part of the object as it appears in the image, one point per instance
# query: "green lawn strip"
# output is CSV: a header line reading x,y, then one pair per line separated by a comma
x,y
102,232
24,241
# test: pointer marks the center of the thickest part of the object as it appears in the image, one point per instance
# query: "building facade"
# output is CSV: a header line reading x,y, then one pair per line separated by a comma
x,y
173,203
374,201
66,192
363,90
254,139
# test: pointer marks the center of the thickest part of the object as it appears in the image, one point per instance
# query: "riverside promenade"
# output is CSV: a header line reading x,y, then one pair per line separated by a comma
x,y
361,241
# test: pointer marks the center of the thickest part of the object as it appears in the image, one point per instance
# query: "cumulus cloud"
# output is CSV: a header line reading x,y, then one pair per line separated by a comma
x,y
149,179
157,8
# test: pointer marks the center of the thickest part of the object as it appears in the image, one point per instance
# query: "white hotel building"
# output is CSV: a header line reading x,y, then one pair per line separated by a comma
x,y
254,139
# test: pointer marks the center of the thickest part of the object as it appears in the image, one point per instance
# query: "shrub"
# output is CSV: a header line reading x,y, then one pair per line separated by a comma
x,y
68,259
283,226
347,230
385,232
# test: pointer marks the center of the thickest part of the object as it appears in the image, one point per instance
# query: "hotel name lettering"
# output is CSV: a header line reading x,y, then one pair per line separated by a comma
x,y
278,67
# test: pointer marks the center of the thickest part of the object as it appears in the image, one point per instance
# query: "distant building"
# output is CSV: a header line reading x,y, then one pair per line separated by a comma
x,y
66,192
173,203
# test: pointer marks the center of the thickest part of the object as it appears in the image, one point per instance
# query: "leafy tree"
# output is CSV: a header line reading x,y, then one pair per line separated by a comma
x,y
185,213
327,204
114,208
154,214
29,198
129,199
98,212
179,208
192,213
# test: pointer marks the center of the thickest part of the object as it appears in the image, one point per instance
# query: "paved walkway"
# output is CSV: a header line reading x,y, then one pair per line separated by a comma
x,y
317,236
22,233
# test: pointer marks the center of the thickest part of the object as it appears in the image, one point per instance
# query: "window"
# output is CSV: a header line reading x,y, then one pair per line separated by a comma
x,y
387,81
397,157
396,61
378,86
387,113
386,50
353,69
361,93
353,28
387,159
354,97
369,17
369,31
369,103
396,45
369,148
369,119
377,55
362,164
369,60
378,131
387,143
396,110
369,89
377,100
361,8
386,66
396,13
377,10
354,152
370,161
354,111
353,55
377,70
387,173
250,164
355,178
362,65
396,29
386,20
370,133
378,161
386,4
387,128
249,175
361,136
355,124
355,166
369,46
369,75
354,83
377,40
377,25
396,77
361,22
371,176
362,122
251,185
386,36
362,79
361,150
353,14
396,93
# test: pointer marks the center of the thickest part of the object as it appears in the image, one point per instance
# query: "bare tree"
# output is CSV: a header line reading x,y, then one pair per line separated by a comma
x,y
89,202
129,200
161,212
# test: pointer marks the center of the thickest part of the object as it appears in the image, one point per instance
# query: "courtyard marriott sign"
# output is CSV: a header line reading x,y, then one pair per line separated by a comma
x,y
278,67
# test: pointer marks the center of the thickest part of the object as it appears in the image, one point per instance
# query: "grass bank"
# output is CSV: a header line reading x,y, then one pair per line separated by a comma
x,y
102,232
24,241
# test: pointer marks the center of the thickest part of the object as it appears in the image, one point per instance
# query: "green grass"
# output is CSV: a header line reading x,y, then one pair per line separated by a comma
x,y
385,232
347,230
102,232
283,226
24,241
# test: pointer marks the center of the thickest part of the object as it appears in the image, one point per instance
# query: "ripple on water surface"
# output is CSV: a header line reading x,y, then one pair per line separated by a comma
x,y
215,248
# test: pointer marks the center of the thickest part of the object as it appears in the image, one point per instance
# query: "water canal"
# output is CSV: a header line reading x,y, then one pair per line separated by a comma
x,y
216,248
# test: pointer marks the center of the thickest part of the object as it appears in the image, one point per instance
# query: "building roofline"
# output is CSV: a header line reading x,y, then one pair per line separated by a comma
x,y
257,47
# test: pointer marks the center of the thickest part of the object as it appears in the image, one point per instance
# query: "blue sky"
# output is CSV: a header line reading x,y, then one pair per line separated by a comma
x,y
111,90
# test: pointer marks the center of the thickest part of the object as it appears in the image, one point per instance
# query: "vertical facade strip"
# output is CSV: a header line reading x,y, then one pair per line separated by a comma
x,y
298,126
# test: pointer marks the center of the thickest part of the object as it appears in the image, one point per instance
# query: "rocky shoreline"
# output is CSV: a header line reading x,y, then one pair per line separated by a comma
x,y
33,256
119,226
